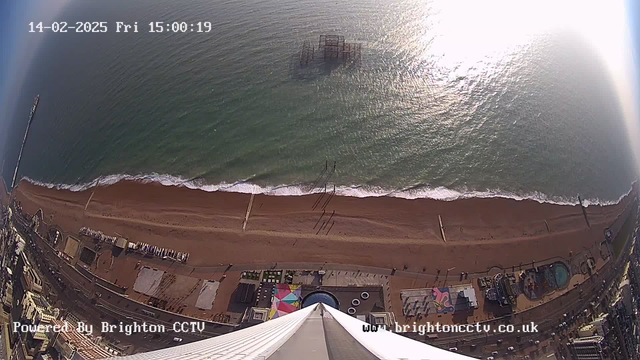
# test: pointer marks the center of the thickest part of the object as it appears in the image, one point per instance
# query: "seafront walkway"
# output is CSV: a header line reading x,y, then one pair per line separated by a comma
x,y
443,275
207,271
184,269
429,276
114,302
119,306
558,306
552,309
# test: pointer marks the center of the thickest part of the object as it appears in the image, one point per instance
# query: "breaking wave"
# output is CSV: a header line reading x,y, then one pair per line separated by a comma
x,y
244,186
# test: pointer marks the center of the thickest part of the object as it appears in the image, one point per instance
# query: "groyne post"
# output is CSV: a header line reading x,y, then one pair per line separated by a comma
x,y
92,193
584,212
246,217
444,237
317,202
324,206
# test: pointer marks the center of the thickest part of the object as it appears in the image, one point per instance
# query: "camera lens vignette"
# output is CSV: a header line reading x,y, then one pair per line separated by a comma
x,y
366,179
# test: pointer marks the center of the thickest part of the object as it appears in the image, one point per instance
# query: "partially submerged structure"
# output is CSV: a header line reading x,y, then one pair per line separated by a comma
x,y
332,51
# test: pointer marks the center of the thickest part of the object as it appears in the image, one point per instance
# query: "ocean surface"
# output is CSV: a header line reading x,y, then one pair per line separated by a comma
x,y
445,102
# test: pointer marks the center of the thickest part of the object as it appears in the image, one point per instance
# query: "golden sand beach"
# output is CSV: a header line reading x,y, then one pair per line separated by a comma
x,y
375,231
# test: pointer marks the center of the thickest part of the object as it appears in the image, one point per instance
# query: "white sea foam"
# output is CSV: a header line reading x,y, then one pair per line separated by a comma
x,y
418,192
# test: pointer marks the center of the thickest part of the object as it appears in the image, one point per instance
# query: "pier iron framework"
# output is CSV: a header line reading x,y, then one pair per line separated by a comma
x,y
331,48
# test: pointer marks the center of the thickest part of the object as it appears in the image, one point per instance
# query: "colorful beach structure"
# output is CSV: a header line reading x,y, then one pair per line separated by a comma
x,y
286,299
438,300
544,280
500,288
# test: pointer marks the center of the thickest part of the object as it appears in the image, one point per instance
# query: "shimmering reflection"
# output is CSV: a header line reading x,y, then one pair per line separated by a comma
x,y
477,97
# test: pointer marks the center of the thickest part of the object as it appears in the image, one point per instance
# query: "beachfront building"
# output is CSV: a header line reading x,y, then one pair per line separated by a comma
x,y
623,339
463,297
385,319
25,280
12,246
587,348
257,315
31,281
587,330
72,344
8,247
7,292
505,289
616,327
316,332
23,288
36,311
599,326
37,223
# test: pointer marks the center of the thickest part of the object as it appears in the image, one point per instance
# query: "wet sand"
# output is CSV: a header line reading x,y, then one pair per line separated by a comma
x,y
383,231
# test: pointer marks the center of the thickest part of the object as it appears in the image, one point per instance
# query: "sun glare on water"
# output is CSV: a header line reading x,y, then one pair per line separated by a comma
x,y
480,34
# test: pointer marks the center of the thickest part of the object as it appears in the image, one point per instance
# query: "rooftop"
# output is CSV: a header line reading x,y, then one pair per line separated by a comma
x,y
40,301
587,339
86,348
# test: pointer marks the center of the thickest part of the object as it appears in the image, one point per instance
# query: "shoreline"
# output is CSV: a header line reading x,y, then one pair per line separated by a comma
x,y
208,225
373,231
358,191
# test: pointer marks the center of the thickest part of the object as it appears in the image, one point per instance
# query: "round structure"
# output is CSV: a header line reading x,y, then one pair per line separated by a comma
x,y
364,295
351,311
562,274
355,302
320,297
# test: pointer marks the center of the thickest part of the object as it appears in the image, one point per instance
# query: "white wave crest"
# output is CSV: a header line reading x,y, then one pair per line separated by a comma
x,y
418,192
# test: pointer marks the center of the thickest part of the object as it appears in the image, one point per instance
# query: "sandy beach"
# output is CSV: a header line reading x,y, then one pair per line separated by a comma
x,y
384,231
